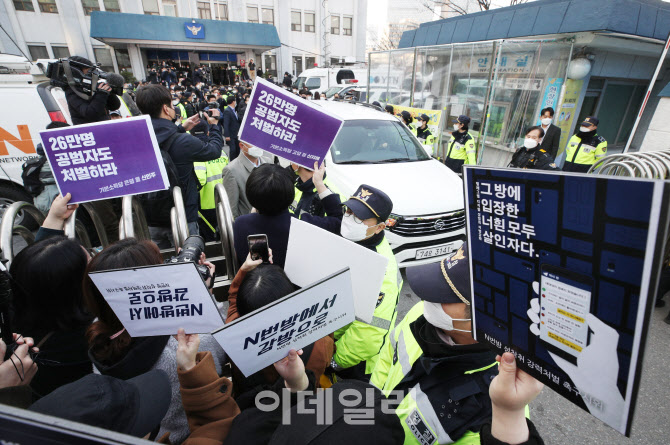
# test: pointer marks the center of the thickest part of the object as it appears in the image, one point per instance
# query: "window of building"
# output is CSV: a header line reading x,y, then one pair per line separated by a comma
x,y
23,5
204,10
104,58
334,24
252,14
296,24
297,65
170,8
268,16
271,64
90,6
221,9
111,5
309,22
48,6
150,7
310,62
38,52
60,52
123,60
347,25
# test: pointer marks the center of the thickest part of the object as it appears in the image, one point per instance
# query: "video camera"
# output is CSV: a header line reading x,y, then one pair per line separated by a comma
x,y
193,247
69,73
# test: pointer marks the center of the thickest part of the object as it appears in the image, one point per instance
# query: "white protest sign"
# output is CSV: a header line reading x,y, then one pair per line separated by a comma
x,y
265,336
158,300
367,267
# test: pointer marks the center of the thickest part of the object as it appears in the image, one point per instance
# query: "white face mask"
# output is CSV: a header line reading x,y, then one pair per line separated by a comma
x,y
255,152
529,143
456,127
546,121
351,230
436,316
175,102
585,129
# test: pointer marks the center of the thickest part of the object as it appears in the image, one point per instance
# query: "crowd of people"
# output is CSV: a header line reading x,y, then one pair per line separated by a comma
x,y
71,348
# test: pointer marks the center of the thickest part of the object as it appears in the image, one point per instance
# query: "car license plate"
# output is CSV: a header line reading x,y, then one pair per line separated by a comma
x,y
434,251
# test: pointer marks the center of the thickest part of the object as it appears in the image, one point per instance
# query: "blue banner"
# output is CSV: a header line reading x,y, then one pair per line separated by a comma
x,y
194,30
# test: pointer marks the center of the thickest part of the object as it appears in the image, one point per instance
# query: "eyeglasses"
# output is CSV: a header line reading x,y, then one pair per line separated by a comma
x,y
347,211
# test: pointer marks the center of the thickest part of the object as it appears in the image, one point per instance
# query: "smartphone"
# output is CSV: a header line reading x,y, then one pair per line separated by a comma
x,y
565,301
259,247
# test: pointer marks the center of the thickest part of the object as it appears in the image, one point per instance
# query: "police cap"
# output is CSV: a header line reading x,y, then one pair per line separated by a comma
x,y
424,117
447,281
462,119
591,120
370,202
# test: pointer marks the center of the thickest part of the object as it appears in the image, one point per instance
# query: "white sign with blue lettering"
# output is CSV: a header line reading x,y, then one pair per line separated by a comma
x,y
158,300
265,336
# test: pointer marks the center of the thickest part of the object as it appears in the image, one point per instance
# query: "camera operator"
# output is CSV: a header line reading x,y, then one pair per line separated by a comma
x,y
97,107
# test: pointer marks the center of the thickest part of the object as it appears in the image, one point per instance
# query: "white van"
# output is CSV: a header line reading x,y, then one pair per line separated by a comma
x,y
374,148
29,105
321,79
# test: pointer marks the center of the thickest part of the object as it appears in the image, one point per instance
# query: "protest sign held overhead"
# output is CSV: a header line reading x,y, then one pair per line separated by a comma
x,y
158,300
287,126
367,267
265,336
105,159
564,270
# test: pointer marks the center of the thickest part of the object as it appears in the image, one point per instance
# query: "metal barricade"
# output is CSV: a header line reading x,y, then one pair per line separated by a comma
x,y
178,218
648,164
133,223
75,229
224,216
8,229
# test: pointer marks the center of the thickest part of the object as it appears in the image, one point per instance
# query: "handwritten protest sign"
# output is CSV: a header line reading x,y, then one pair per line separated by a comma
x,y
286,125
266,335
105,159
564,271
158,300
367,267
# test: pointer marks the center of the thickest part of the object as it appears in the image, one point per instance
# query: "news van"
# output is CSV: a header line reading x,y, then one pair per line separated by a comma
x,y
321,79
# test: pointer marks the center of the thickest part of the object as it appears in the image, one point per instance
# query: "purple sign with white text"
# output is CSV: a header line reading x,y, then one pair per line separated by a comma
x,y
288,126
105,159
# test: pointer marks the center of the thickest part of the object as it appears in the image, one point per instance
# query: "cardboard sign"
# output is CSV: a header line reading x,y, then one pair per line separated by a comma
x,y
367,267
105,159
287,125
158,300
299,319
564,270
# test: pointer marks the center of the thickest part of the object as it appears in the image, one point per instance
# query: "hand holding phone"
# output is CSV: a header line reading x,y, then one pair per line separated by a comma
x,y
259,247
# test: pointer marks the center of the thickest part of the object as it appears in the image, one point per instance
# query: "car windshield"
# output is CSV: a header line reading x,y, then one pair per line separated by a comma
x,y
300,83
375,142
330,92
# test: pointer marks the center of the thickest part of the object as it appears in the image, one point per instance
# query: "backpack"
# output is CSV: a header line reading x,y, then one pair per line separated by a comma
x,y
31,175
157,205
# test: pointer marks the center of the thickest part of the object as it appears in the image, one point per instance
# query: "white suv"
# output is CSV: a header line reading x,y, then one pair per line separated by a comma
x,y
374,148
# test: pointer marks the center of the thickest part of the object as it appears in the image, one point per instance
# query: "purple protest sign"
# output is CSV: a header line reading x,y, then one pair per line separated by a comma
x,y
105,159
286,125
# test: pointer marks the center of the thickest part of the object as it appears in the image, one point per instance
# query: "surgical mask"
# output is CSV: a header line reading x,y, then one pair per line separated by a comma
x,y
351,230
529,143
585,129
175,101
255,152
456,127
546,121
436,316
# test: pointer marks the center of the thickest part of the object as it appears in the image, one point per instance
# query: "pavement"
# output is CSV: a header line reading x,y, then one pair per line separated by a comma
x,y
562,423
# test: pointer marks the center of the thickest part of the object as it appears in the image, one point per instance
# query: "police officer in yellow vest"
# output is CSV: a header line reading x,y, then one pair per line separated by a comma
x,y
358,344
443,374
306,199
424,134
461,149
585,147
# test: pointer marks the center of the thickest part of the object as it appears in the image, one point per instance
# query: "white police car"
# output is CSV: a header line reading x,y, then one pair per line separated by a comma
x,y
374,148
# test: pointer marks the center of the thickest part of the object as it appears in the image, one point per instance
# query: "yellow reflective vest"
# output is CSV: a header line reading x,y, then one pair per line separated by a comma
x,y
462,149
209,174
585,152
361,342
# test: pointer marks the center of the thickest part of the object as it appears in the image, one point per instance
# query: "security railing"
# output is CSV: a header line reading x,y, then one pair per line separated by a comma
x,y
76,229
649,164
133,223
178,219
224,216
8,230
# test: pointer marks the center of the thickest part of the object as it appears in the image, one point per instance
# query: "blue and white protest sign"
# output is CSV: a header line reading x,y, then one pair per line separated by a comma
x,y
288,126
158,300
265,336
105,159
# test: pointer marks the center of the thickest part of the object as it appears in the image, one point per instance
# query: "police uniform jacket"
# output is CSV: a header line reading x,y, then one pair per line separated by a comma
x,y
585,148
535,158
445,388
462,147
423,134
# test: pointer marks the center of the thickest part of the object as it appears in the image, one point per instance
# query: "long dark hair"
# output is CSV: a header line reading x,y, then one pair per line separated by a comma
x,y
128,252
46,285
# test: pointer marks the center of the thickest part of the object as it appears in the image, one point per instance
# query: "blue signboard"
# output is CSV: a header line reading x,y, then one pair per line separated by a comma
x,y
551,94
194,30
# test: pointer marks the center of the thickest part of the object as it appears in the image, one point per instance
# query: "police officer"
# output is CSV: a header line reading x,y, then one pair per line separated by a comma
x,y
432,358
585,147
424,134
530,155
461,148
184,107
358,344
406,118
307,200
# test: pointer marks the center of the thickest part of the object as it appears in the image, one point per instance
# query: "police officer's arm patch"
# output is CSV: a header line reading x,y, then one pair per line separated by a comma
x,y
380,299
419,428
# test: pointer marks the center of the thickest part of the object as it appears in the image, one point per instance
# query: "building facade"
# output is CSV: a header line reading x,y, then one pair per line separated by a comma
x,y
310,32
